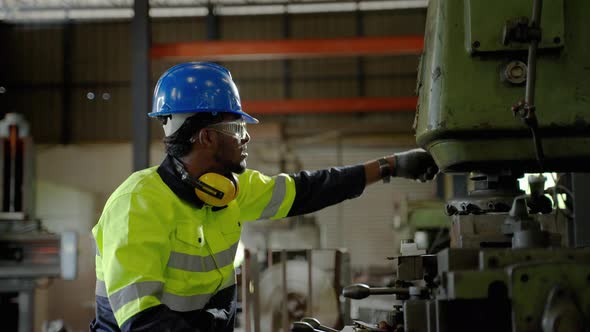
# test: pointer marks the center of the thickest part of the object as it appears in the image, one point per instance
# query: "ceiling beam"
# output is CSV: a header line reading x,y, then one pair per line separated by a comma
x,y
234,50
339,105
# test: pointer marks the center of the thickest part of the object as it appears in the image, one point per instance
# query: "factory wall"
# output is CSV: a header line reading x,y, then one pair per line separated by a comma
x,y
72,81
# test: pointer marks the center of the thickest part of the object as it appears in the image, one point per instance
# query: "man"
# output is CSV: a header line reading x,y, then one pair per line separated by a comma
x,y
168,235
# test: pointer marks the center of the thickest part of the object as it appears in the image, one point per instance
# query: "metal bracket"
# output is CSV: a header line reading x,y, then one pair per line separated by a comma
x,y
518,30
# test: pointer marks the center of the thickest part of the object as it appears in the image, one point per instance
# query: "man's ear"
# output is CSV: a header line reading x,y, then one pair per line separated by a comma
x,y
205,138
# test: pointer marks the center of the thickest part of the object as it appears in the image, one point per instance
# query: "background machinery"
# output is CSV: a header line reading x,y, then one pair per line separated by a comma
x,y
27,251
504,90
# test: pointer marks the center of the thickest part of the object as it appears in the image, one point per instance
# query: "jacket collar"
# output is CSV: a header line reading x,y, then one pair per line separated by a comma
x,y
171,178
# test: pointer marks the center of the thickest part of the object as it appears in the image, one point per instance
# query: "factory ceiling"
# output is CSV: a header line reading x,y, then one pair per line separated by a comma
x,y
52,10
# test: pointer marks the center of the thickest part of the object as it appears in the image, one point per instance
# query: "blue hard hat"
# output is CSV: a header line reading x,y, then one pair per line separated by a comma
x,y
195,87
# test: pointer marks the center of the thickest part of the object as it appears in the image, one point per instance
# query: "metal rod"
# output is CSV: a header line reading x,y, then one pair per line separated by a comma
x,y
26,303
342,277
389,290
285,311
13,165
361,291
308,253
246,298
531,118
532,56
255,292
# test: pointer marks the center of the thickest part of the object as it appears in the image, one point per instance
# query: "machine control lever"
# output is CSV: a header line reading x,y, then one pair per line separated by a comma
x,y
303,327
317,325
361,291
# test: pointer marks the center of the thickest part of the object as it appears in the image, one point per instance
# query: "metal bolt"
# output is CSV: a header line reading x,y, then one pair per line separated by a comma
x,y
515,72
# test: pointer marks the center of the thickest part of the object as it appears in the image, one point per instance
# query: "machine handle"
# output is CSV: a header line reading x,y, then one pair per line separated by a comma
x,y
317,325
303,327
361,291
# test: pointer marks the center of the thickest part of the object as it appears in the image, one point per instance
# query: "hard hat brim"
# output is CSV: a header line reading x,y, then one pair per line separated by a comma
x,y
247,117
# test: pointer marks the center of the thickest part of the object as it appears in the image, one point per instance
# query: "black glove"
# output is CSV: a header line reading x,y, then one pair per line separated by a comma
x,y
415,164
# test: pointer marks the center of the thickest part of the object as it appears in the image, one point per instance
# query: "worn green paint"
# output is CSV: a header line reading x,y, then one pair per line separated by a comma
x,y
464,117
471,284
528,284
429,215
531,284
484,27
500,258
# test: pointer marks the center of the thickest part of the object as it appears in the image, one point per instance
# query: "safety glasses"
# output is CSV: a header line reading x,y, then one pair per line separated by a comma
x,y
236,128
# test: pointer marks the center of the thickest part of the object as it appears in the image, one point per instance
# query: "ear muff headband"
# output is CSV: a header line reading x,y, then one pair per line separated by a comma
x,y
212,188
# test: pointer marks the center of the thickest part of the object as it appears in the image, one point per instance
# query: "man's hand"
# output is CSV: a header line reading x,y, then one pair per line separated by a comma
x,y
415,164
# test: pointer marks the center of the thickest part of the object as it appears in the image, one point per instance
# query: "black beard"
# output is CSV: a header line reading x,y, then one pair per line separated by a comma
x,y
229,166
237,168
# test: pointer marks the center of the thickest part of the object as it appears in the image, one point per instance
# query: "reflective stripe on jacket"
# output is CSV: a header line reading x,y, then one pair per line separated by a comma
x,y
154,248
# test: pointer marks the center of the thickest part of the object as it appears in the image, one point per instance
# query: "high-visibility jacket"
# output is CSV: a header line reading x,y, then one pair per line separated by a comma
x,y
154,248
161,252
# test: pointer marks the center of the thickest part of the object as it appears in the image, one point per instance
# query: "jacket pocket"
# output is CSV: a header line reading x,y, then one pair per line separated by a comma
x,y
231,232
230,225
190,234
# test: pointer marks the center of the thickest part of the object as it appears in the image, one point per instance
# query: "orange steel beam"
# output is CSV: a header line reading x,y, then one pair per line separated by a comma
x,y
288,48
340,105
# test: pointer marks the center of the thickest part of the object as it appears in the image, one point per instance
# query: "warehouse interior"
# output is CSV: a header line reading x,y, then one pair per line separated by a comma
x,y
332,83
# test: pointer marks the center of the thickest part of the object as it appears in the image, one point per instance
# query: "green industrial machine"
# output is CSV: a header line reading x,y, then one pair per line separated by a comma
x,y
474,71
504,90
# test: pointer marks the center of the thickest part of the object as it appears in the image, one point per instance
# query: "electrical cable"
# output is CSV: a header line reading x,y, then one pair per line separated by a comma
x,y
539,153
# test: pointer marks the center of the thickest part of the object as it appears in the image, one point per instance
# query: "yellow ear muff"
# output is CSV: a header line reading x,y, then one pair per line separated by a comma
x,y
216,190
